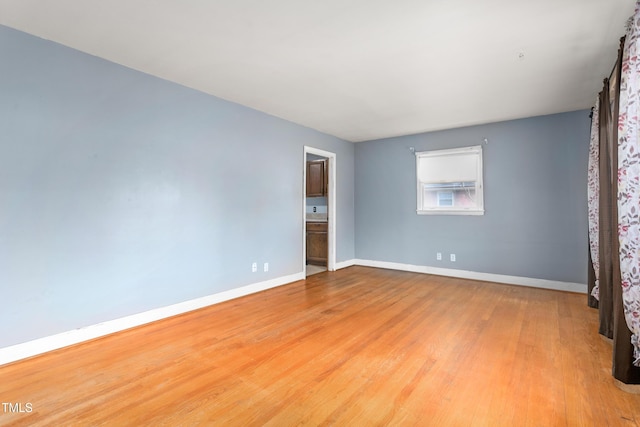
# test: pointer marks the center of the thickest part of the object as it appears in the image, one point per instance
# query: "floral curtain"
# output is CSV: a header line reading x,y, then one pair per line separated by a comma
x,y
629,181
593,192
614,207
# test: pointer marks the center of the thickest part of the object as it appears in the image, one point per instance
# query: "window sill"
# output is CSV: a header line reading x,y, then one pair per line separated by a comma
x,y
450,212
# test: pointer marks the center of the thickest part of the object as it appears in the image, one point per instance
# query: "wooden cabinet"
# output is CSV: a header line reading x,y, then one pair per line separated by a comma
x,y
317,178
317,246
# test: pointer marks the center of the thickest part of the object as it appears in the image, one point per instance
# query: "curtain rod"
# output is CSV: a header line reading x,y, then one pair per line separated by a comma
x,y
620,49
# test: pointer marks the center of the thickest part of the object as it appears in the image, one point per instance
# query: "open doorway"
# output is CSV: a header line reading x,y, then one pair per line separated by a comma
x,y
319,211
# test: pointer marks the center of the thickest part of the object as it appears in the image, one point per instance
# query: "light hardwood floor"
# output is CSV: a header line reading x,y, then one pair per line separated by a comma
x,y
356,347
315,269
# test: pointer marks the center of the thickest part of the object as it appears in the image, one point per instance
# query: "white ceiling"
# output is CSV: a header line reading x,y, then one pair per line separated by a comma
x,y
356,69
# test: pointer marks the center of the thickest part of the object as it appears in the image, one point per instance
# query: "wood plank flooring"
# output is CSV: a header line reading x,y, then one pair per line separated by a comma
x,y
357,347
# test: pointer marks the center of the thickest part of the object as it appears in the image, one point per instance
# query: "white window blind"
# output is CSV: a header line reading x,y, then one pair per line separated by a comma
x,y
448,168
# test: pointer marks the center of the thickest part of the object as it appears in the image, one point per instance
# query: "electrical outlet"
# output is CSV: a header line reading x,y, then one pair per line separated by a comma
x,y
315,209
439,256
254,267
453,257
266,266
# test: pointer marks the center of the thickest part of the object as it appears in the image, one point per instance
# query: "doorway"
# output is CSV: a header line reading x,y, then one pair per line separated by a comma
x,y
319,211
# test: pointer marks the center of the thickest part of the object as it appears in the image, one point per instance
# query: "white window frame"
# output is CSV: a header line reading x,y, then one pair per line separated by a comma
x,y
451,210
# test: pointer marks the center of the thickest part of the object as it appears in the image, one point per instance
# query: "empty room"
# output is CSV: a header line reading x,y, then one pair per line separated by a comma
x,y
247,213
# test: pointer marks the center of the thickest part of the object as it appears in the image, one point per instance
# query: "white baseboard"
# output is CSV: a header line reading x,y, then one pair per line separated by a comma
x,y
64,339
487,277
345,264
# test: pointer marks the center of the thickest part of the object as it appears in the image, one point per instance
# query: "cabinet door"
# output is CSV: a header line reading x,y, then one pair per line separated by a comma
x,y
317,178
317,246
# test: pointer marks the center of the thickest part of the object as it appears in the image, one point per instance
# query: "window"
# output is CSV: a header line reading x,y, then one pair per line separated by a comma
x,y
445,198
450,181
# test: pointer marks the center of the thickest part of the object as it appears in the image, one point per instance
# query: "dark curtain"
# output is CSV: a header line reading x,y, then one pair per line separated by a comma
x,y
608,194
612,321
591,282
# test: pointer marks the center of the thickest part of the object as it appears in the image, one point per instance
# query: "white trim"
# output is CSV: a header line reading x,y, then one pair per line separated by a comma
x,y
345,264
437,211
76,336
64,339
331,209
487,277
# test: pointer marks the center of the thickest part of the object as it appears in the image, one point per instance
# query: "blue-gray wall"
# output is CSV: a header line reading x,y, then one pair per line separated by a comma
x,y
121,192
535,222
